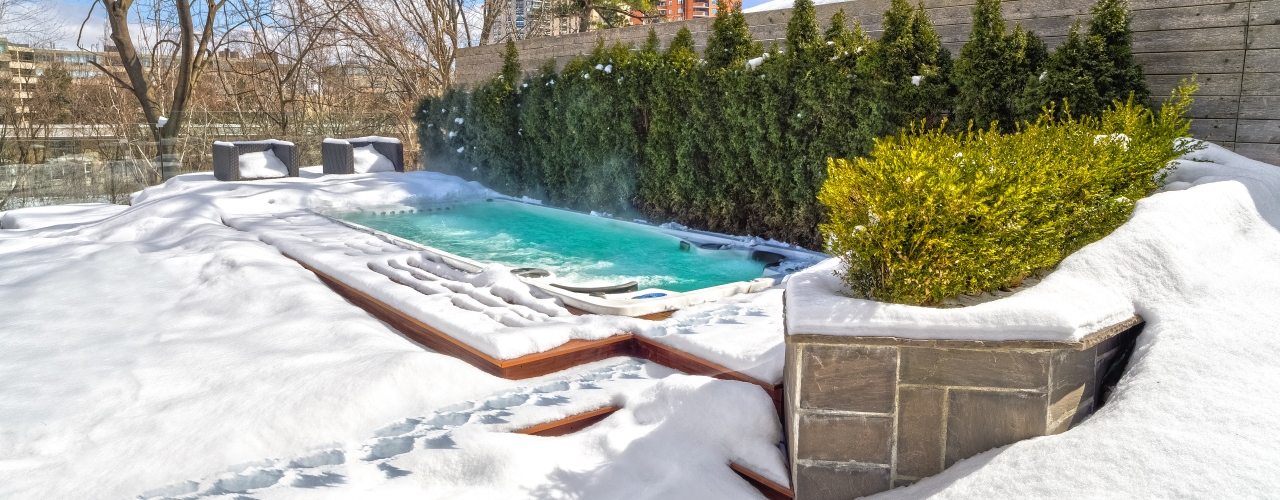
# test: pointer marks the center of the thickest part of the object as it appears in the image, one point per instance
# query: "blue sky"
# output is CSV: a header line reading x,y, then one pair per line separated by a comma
x,y
70,13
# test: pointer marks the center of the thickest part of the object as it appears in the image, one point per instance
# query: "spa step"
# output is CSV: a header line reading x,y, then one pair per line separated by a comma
x,y
575,423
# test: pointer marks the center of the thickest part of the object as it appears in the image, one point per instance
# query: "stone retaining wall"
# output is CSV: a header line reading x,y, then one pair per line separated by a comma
x,y
866,414
1234,47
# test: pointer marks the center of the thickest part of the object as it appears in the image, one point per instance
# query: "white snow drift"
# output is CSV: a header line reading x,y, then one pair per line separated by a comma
x,y
156,351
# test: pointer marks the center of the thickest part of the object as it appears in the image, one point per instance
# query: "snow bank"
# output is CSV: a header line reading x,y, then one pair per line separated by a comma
x,y
56,215
1195,415
491,310
158,351
1061,307
672,439
742,332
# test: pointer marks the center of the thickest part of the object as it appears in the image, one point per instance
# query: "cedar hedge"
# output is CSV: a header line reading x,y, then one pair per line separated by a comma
x,y
738,139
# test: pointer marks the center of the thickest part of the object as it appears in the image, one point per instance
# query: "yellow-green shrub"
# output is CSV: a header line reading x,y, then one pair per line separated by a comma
x,y
932,214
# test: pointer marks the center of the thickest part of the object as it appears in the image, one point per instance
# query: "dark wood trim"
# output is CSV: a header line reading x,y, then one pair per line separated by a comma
x,y
770,489
572,353
571,424
575,423
412,328
568,355
671,357
658,316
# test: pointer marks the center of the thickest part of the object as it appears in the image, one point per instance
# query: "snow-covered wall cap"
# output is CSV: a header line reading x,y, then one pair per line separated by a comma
x,y
372,138
1059,308
265,141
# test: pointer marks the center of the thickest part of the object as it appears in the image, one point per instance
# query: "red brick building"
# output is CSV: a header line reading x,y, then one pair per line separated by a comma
x,y
679,10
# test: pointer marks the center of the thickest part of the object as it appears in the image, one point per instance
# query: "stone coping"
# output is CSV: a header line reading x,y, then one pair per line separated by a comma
x,y
1088,341
1061,308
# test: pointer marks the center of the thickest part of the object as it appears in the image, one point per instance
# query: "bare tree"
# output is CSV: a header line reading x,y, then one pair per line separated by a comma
x,y
178,41
286,42
27,21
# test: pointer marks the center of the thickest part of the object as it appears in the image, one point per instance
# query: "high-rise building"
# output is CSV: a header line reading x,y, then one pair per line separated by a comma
x,y
680,10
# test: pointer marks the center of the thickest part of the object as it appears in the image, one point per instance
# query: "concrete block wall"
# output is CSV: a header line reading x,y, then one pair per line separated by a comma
x,y
1233,47
867,414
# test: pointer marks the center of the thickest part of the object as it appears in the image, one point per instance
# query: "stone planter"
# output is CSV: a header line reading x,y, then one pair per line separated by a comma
x,y
865,414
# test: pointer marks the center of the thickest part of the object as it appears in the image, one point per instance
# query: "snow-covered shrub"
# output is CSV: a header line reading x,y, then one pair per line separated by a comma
x,y
588,132
441,134
932,214
496,140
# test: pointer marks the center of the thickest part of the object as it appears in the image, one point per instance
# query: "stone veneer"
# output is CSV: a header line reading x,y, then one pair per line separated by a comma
x,y
866,414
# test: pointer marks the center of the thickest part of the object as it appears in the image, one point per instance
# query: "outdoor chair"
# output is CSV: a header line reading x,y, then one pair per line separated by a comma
x,y
362,155
248,160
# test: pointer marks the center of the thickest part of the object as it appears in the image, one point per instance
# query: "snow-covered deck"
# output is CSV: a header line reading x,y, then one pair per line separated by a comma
x,y
154,351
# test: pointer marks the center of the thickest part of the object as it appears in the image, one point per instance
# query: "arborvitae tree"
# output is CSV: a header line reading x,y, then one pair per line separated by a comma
x,y
730,43
496,143
1121,75
541,127
443,131
802,29
1090,71
599,169
666,188
1069,75
992,69
639,84
721,119
905,74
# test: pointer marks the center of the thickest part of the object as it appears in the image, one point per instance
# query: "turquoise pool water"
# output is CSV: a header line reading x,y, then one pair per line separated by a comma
x,y
580,249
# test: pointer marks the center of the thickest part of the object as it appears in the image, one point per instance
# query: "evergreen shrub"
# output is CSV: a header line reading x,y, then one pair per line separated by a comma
x,y
737,140
1091,69
931,214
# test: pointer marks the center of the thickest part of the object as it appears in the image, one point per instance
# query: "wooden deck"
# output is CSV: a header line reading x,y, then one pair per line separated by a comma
x,y
575,423
572,353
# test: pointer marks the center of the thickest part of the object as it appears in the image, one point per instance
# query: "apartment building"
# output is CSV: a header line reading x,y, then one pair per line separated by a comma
x,y
522,19
681,10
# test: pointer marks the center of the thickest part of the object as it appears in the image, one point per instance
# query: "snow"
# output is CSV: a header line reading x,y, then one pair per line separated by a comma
x,y
159,351
369,160
261,165
1061,307
915,80
170,349
55,215
1195,415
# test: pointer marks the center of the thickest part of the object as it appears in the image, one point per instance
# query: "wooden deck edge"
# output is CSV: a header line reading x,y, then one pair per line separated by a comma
x,y
570,424
671,357
658,316
572,353
770,489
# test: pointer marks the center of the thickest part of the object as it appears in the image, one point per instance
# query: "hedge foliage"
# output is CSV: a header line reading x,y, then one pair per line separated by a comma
x,y
931,214
737,140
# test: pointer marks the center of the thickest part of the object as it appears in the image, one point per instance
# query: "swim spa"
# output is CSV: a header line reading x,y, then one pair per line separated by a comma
x,y
594,263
